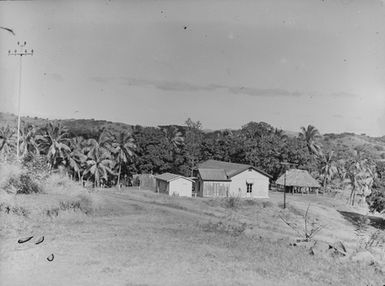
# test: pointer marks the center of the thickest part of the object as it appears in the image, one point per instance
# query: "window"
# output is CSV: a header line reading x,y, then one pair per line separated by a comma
x,y
249,187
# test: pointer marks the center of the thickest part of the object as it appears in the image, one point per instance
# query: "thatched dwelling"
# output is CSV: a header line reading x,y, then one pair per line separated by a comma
x,y
298,180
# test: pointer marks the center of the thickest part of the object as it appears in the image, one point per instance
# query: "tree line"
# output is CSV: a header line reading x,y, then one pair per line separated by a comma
x,y
106,157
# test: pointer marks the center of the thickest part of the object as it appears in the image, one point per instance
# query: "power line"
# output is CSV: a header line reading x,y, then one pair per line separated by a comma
x,y
20,51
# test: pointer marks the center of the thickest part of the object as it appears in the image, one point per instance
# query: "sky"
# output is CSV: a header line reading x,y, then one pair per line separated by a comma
x,y
222,62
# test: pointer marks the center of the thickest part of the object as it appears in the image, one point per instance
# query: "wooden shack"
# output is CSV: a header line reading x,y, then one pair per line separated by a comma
x,y
226,179
174,185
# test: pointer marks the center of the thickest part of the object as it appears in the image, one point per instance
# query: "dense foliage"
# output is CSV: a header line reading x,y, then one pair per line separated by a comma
x,y
111,155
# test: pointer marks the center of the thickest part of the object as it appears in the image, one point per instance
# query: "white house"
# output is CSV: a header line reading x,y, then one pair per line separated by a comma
x,y
174,185
224,179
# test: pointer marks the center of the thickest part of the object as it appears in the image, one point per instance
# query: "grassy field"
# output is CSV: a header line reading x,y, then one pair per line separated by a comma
x,y
132,237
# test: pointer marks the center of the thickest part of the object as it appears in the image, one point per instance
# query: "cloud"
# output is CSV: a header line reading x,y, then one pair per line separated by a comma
x,y
263,92
168,85
185,86
343,94
54,76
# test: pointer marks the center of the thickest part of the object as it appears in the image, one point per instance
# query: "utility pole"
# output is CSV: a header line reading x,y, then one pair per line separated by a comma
x,y
20,51
285,165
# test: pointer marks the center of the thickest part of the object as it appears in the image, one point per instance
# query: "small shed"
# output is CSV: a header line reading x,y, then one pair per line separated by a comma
x,y
174,185
298,179
213,183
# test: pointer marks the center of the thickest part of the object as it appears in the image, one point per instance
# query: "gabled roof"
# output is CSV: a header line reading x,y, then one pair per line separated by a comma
x,y
231,169
213,175
168,177
298,178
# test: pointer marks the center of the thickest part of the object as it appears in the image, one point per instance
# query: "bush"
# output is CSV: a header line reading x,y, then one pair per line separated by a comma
x,y
18,180
59,184
234,229
376,200
232,202
36,165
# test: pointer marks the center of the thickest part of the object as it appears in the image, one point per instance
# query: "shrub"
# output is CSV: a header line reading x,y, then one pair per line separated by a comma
x,y
232,202
59,184
234,229
376,200
24,184
18,180
36,165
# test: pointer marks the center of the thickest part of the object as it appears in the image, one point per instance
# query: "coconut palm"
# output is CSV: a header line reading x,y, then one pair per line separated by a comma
x,y
28,141
310,135
361,177
103,140
99,165
76,157
7,141
174,137
328,168
54,143
122,146
341,170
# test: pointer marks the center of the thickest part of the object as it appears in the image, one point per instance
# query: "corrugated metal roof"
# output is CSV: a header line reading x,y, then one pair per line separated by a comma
x,y
298,178
170,177
213,175
231,169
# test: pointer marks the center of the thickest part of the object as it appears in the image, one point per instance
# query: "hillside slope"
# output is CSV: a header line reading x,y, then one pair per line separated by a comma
x,y
143,238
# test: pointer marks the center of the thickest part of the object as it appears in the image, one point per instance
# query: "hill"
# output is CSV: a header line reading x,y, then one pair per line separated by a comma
x,y
347,142
341,144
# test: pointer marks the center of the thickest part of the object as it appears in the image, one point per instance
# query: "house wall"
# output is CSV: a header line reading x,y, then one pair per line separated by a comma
x,y
180,187
214,189
260,185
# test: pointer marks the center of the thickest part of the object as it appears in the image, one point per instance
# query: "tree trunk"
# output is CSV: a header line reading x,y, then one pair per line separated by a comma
x,y
192,167
120,169
325,183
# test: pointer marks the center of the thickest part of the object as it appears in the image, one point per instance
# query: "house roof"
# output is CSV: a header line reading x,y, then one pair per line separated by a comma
x,y
168,177
231,169
298,178
213,175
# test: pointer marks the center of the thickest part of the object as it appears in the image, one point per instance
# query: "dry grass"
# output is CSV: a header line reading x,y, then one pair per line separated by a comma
x,y
143,238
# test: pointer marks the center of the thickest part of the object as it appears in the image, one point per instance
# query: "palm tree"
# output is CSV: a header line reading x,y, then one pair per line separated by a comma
x,y
174,136
55,144
328,168
28,141
341,170
310,136
103,140
8,141
361,175
122,146
76,157
99,164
